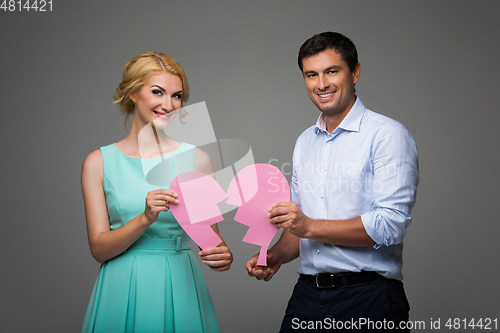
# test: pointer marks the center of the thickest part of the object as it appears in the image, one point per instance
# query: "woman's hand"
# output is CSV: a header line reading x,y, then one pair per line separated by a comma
x,y
217,258
158,201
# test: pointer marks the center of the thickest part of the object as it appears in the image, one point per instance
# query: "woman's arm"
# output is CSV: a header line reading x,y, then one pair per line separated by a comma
x,y
104,243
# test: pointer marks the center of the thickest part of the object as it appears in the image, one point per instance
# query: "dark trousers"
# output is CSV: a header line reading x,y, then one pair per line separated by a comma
x,y
379,305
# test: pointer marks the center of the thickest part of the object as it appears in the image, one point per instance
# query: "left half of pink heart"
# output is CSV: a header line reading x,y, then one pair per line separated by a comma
x,y
198,196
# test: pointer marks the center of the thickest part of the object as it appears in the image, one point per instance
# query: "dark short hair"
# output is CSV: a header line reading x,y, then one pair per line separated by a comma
x,y
330,40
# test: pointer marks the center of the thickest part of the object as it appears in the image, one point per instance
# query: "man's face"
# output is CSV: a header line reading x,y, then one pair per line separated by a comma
x,y
329,82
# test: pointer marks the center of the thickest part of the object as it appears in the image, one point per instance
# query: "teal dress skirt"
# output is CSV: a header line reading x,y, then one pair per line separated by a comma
x,y
156,285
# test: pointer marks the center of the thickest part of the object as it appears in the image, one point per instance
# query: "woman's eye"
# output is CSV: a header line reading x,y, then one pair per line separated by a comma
x,y
158,92
179,96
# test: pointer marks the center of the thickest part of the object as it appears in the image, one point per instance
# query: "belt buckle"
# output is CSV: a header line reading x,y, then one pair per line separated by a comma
x,y
332,285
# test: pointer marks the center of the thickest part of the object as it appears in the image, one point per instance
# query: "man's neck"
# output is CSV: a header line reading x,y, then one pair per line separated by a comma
x,y
332,121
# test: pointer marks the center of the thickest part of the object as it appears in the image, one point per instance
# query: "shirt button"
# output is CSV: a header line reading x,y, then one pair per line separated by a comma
x,y
330,142
326,169
318,251
322,196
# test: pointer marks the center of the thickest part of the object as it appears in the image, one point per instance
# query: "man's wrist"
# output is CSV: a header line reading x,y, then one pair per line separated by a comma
x,y
310,229
287,248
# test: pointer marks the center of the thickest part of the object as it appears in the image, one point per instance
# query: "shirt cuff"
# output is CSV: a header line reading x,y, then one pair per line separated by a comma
x,y
384,231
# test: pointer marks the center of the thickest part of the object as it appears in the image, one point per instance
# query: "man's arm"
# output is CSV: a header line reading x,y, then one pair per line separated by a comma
x,y
395,171
349,232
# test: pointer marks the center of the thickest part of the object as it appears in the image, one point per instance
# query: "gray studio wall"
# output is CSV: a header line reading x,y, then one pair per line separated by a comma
x,y
431,65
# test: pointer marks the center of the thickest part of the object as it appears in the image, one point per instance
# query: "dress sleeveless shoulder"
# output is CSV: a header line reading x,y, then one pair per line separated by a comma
x,y
156,285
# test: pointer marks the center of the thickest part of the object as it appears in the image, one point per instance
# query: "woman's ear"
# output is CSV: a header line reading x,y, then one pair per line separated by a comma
x,y
132,97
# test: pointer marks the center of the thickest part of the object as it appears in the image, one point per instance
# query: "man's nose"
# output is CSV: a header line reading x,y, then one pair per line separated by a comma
x,y
323,82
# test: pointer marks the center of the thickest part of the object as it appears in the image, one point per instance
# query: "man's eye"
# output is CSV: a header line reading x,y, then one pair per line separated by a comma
x,y
311,75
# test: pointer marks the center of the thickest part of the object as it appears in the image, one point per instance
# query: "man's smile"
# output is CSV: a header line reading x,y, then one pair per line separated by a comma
x,y
323,97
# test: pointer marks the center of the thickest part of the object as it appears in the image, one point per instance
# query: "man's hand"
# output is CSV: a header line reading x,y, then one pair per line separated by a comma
x,y
289,216
264,272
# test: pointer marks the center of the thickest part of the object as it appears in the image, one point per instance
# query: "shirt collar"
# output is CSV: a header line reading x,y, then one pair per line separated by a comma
x,y
351,122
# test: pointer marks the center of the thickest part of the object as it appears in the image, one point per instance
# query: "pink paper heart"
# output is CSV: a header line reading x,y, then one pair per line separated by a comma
x,y
254,189
198,195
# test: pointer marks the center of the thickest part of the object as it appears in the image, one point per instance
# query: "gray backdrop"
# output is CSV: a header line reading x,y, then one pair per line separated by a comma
x,y
431,65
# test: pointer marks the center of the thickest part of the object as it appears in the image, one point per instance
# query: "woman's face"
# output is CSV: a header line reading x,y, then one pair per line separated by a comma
x,y
157,99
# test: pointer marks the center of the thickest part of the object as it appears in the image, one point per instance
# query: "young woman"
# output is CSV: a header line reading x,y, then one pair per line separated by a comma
x,y
149,280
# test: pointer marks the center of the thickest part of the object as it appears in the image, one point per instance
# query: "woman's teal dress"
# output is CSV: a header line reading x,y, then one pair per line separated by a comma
x,y
156,285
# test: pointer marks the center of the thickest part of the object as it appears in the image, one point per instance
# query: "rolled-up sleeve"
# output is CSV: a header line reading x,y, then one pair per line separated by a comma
x,y
394,160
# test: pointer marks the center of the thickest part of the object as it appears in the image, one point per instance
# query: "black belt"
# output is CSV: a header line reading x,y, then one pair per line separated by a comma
x,y
329,280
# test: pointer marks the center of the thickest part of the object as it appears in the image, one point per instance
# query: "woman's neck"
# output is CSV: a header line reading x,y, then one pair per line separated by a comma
x,y
147,142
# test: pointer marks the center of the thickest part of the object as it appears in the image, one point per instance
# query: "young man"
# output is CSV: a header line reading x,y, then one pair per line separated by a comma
x,y
355,176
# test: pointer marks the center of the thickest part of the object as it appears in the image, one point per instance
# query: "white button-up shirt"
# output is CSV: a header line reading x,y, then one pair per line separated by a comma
x,y
368,167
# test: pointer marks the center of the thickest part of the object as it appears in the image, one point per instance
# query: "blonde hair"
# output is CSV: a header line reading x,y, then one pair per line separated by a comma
x,y
138,70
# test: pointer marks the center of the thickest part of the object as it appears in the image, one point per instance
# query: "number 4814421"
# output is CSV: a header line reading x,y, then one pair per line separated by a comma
x,y
26,5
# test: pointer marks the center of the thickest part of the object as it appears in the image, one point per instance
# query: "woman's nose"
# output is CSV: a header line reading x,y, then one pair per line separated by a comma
x,y
167,105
